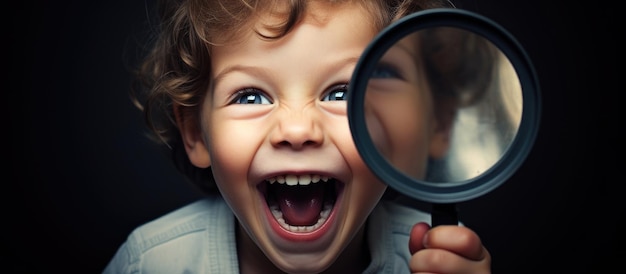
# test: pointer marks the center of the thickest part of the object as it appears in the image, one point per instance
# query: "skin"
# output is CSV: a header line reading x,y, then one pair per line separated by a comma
x,y
400,110
289,127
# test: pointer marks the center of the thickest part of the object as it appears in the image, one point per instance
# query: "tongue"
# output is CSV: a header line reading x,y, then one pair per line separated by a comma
x,y
301,205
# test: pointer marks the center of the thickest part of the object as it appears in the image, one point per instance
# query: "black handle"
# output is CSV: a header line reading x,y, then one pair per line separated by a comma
x,y
444,214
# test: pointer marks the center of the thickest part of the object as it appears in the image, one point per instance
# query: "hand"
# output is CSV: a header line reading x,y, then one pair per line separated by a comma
x,y
447,249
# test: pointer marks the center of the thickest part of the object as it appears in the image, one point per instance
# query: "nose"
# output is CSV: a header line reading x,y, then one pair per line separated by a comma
x,y
297,128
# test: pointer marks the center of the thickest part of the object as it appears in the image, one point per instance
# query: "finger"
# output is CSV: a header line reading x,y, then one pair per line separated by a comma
x,y
457,239
443,261
416,237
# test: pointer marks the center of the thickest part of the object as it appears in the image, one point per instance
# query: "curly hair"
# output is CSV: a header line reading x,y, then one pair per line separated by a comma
x,y
176,69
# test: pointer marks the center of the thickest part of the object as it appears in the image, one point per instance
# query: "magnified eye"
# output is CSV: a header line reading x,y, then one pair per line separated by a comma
x,y
251,96
336,93
385,71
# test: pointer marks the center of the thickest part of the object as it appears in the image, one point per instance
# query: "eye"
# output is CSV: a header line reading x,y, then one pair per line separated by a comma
x,y
250,96
386,71
336,93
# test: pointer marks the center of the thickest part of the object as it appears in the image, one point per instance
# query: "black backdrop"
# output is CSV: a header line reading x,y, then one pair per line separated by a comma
x,y
81,174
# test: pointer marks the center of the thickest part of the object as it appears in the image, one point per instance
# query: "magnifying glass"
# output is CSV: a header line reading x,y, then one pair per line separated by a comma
x,y
444,107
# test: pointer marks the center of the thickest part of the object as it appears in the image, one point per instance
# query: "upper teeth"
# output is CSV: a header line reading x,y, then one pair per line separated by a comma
x,y
293,180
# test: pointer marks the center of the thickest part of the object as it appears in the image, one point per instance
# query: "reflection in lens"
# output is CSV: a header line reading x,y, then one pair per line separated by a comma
x,y
443,105
398,89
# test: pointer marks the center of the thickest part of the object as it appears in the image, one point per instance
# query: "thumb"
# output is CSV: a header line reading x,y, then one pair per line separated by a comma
x,y
416,237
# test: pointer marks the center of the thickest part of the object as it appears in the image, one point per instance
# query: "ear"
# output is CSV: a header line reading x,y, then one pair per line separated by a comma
x,y
445,115
192,138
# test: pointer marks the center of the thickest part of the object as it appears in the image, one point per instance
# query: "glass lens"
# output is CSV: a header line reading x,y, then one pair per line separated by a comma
x,y
442,105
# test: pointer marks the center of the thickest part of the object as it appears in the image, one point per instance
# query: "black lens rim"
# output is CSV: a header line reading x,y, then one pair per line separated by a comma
x,y
512,158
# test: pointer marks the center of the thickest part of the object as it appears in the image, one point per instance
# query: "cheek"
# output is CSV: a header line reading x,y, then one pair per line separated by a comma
x,y
401,133
367,188
364,192
232,146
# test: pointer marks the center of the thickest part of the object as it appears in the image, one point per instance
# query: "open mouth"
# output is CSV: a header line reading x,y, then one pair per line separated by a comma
x,y
300,203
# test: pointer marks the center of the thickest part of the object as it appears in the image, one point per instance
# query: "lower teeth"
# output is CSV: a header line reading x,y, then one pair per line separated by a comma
x,y
322,218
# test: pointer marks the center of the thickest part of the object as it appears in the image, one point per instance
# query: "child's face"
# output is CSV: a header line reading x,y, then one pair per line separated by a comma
x,y
276,113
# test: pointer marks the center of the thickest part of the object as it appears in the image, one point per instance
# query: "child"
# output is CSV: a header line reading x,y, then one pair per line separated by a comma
x,y
248,96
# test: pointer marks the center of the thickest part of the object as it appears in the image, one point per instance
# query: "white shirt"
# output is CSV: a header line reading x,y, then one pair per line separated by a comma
x,y
200,238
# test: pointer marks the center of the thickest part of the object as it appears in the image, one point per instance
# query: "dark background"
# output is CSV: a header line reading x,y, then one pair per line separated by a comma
x,y
80,174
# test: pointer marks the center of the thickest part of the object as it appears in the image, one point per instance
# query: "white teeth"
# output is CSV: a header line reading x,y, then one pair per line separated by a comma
x,y
315,178
304,180
292,180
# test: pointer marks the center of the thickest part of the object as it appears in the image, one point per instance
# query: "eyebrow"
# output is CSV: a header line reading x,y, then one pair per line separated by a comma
x,y
407,50
261,71
252,70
